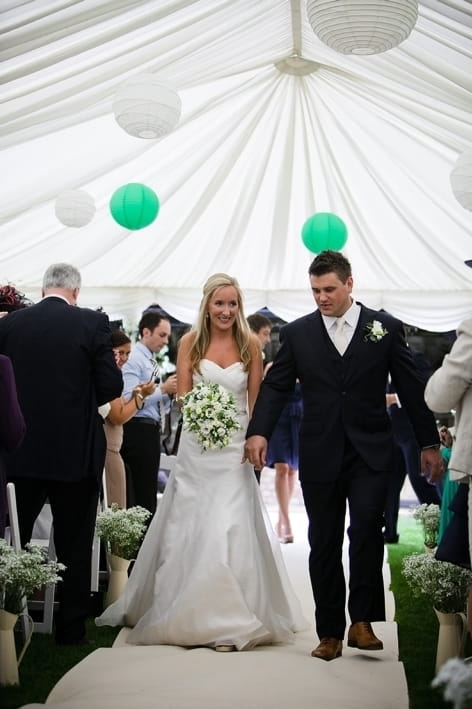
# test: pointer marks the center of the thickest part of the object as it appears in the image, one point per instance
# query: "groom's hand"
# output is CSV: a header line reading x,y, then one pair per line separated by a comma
x,y
432,464
255,451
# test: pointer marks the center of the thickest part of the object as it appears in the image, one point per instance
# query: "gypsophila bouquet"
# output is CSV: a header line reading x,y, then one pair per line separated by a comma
x,y
375,331
445,584
209,411
121,529
22,572
429,516
456,677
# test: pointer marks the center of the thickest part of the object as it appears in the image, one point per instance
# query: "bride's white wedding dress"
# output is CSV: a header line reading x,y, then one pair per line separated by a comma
x,y
210,570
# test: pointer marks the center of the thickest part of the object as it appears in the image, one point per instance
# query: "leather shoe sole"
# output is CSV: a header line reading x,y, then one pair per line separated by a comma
x,y
328,649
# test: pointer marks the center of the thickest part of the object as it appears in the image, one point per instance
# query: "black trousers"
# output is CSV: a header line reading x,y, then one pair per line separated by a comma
x,y
74,510
364,491
141,452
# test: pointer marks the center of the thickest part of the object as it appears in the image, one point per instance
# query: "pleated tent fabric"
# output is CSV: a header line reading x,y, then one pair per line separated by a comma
x,y
275,127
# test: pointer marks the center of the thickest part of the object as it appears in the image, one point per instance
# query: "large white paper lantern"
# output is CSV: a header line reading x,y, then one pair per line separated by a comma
x,y
362,26
461,179
146,108
75,208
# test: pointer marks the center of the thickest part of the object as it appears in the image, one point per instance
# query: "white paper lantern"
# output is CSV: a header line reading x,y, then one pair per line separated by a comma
x,y
362,26
75,208
461,179
146,108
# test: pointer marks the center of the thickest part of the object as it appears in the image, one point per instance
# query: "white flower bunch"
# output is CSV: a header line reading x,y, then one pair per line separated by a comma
x,y
209,411
456,677
429,516
445,584
375,331
121,529
22,572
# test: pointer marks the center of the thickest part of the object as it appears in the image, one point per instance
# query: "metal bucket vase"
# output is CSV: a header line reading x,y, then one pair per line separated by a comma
x,y
118,577
451,636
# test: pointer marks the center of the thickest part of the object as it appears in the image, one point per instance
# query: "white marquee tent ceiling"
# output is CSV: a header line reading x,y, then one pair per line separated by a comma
x,y
371,138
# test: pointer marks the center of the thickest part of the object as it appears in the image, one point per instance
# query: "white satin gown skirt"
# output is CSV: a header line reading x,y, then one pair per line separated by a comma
x,y
210,569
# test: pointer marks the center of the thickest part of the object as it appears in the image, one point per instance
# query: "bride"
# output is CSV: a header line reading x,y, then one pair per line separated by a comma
x,y
210,571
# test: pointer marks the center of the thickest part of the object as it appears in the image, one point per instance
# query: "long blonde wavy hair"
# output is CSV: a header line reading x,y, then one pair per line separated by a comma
x,y
241,331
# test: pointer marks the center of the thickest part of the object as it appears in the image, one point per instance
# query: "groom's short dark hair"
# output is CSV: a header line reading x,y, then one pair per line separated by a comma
x,y
329,262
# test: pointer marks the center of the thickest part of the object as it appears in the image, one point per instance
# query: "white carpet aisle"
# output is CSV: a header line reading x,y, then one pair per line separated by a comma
x,y
165,677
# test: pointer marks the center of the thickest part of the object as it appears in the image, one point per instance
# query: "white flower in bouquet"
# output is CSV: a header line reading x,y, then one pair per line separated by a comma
x,y
209,411
445,584
456,677
23,572
122,529
429,516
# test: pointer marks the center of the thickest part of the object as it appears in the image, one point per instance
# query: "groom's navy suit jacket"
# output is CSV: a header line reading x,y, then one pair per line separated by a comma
x,y
343,396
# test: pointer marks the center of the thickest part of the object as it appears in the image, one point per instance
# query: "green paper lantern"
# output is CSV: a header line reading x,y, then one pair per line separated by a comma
x,y
324,231
134,205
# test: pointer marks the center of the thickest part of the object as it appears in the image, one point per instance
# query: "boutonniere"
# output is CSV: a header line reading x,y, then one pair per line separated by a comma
x,y
375,331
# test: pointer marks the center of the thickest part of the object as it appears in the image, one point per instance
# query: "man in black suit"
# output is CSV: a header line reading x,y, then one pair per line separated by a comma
x,y
65,369
342,355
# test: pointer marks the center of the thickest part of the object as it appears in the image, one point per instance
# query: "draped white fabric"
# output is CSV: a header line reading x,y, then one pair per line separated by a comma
x,y
372,139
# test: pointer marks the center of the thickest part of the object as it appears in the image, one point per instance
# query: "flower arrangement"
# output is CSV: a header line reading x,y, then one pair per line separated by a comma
x,y
375,331
429,516
122,529
209,411
22,572
456,677
445,584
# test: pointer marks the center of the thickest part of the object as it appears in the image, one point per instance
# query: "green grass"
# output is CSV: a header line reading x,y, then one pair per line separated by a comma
x,y
417,624
44,663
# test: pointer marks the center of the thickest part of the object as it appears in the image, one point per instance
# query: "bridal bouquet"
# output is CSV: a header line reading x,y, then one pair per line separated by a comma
x,y
209,411
22,572
121,529
445,584
429,516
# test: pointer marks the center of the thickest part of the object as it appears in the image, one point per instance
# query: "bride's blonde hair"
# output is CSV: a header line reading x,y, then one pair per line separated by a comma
x,y
241,331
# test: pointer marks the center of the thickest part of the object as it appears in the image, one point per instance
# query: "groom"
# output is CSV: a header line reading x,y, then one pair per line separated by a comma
x,y
342,355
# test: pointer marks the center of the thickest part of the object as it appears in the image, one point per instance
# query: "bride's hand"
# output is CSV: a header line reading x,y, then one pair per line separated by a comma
x,y
255,451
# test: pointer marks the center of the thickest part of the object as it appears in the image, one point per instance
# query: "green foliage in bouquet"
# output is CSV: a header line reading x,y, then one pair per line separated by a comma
x,y
122,530
446,585
23,572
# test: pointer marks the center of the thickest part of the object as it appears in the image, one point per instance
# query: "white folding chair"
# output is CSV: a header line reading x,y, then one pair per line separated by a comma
x,y
12,536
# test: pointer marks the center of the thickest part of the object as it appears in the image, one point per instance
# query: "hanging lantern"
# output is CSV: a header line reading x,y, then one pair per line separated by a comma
x,y
324,231
362,26
75,208
146,108
461,179
134,205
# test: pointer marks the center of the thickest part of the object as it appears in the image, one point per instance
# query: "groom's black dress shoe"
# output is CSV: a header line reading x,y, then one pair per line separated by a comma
x,y
328,649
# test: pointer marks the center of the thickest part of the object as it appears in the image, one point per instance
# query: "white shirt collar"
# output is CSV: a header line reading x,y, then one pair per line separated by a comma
x,y
351,316
56,295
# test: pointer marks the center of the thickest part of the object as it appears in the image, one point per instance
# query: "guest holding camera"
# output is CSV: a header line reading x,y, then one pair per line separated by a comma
x,y
141,448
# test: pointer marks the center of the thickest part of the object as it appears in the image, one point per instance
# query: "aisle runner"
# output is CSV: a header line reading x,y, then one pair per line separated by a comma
x,y
165,677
